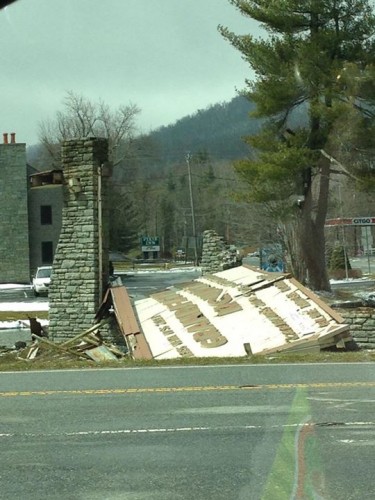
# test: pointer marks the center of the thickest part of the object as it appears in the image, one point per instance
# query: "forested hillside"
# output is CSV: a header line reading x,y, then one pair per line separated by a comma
x,y
155,176
151,182
217,130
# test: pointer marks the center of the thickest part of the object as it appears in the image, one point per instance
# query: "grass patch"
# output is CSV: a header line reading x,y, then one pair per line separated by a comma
x,y
22,315
14,362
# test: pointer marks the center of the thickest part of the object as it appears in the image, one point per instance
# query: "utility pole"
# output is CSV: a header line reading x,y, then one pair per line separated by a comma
x,y
188,157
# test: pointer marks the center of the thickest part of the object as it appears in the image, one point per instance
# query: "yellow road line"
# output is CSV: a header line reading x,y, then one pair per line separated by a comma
x,y
155,390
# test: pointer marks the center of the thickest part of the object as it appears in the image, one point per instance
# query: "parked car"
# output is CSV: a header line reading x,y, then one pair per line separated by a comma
x,y
42,280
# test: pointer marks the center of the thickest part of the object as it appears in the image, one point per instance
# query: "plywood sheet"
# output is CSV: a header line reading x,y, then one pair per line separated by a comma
x,y
237,311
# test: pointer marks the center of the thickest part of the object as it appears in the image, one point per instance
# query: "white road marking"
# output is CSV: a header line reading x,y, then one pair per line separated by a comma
x,y
165,430
357,442
334,400
227,410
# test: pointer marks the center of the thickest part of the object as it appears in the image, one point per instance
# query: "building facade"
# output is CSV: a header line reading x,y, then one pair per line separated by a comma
x,y
14,225
30,207
45,216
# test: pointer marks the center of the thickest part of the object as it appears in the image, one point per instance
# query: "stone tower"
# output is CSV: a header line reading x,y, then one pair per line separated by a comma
x,y
81,262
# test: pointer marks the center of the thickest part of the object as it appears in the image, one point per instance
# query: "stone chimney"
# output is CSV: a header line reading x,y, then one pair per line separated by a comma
x,y
81,264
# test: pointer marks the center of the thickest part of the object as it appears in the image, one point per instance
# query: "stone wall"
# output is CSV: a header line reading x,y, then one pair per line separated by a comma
x,y
81,262
362,325
14,228
216,256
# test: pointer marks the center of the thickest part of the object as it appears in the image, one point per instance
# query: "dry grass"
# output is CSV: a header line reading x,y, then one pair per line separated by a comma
x,y
22,315
50,361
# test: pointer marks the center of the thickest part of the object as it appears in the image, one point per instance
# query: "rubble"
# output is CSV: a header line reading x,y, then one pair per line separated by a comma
x,y
118,300
91,344
88,345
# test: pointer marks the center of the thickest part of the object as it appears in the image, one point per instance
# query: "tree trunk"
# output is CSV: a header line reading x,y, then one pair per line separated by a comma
x,y
295,262
313,247
312,237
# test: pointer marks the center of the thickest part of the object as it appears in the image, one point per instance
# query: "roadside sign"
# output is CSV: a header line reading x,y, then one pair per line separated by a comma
x,y
150,243
352,221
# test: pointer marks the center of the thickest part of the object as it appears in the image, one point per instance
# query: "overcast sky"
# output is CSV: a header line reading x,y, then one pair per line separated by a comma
x,y
166,56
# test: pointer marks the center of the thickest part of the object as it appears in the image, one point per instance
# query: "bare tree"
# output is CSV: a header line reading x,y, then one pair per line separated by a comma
x,y
82,117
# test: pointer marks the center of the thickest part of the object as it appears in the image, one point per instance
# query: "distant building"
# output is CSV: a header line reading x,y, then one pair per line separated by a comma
x,y
14,228
45,215
30,207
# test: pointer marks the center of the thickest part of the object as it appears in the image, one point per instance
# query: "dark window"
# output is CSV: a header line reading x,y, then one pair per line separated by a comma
x,y
47,252
46,214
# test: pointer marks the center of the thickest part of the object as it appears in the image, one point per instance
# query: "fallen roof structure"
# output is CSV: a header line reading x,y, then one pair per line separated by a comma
x,y
238,312
118,298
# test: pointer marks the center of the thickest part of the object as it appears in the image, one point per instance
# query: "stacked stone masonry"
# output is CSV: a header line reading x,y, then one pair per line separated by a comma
x,y
362,325
216,256
80,268
14,228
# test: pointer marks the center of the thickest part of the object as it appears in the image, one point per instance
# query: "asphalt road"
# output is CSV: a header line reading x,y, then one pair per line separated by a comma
x,y
225,432
20,294
141,285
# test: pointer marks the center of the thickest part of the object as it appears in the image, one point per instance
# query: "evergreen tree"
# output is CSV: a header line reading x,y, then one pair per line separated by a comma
x,y
124,227
167,213
306,62
339,258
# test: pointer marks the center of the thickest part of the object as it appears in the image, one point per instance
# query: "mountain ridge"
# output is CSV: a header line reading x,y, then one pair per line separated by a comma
x,y
218,130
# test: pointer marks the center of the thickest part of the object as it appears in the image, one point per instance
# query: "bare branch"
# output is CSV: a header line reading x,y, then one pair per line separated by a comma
x,y
343,170
82,117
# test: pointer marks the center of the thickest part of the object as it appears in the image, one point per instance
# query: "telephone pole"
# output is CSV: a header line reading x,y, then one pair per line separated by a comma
x,y
188,157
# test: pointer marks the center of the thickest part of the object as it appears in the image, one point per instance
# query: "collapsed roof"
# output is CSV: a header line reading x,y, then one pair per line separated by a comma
x,y
238,312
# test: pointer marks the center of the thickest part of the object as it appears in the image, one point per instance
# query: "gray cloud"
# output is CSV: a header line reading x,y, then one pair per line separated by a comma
x,y
166,56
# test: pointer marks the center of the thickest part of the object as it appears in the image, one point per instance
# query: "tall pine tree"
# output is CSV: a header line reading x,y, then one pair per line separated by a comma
x,y
304,64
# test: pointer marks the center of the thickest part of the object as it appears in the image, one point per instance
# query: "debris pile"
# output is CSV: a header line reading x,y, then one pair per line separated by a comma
x,y
117,300
91,344
88,345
